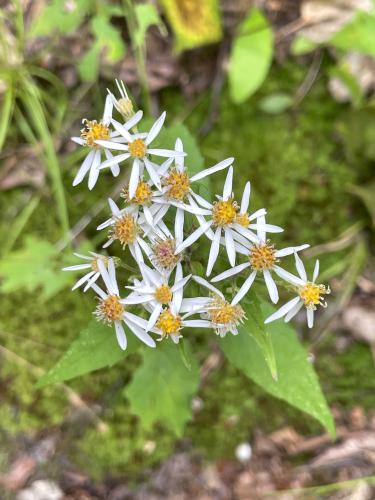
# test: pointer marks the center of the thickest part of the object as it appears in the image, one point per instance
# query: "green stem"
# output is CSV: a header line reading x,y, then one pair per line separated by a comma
x,y
139,54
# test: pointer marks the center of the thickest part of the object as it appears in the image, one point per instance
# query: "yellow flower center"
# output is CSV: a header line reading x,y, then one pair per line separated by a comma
x,y
178,185
163,294
168,323
262,256
94,131
110,309
224,212
164,253
223,313
242,219
137,148
142,196
125,230
311,294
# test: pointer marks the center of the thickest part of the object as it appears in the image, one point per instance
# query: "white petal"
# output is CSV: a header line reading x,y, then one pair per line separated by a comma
x,y
260,232
246,233
123,131
270,228
287,276
137,299
208,171
244,288
141,334
99,291
108,107
154,317
310,317
258,213
293,312
152,173
197,323
214,251
283,310
155,129
289,250
179,225
230,272
92,280
134,178
316,271
206,284
112,276
84,168
78,140
271,286
245,198
117,146
227,191
300,267
105,276
120,334
115,160
134,120
113,206
94,170
165,153
77,267
193,237
83,280
229,244
148,215
200,200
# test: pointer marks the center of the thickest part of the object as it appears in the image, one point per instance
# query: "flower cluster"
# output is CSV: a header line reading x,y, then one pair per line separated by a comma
x,y
150,223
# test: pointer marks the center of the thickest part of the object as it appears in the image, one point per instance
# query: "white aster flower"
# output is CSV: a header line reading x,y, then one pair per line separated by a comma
x,y
155,291
228,218
123,105
93,131
126,228
91,262
176,186
223,316
110,310
262,257
136,146
310,295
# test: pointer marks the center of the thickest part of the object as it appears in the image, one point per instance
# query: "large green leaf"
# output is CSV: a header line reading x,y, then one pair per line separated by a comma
x,y
56,16
251,56
297,381
96,347
34,266
255,327
162,388
147,15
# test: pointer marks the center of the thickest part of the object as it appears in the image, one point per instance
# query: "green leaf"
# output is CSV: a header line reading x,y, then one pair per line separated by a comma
x,y
147,16
162,388
358,35
88,65
108,38
297,381
57,17
95,348
250,57
275,103
255,327
35,265
194,23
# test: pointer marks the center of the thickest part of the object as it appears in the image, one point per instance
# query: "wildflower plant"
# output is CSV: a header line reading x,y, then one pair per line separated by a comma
x,y
175,236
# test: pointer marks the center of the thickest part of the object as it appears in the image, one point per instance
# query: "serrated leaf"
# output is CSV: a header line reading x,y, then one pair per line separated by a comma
x,y
297,382
33,266
255,327
147,15
162,388
95,348
250,57
194,23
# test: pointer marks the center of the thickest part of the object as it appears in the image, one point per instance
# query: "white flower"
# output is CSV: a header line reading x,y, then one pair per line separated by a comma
x,y
126,228
225,217
92,264
110,310
262,257
154,291
136,146
310,295
176,187
123,105
223,316
93,131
